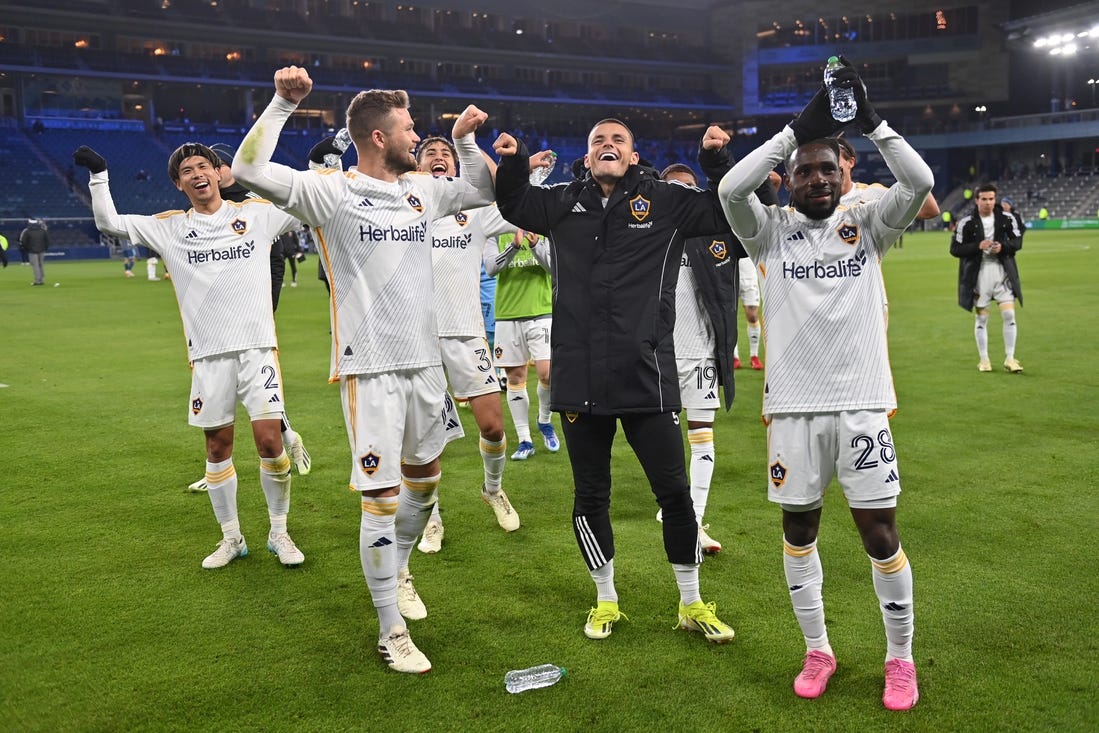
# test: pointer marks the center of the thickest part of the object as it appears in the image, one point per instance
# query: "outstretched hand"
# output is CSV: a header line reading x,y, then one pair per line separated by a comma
x,y
848,78
471,118
293,83
505,145
85,157
815,121
715,138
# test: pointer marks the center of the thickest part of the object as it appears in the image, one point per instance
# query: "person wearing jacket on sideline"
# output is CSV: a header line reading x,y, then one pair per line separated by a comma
x,y
616,237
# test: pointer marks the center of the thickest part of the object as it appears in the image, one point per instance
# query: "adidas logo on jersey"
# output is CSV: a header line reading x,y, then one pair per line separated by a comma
x,y
491,380
366,202
274,398
451,424
710,395
192,235
891,477
579,209
796,237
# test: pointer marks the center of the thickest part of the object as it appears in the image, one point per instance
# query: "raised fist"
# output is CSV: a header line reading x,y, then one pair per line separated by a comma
x,y
85,157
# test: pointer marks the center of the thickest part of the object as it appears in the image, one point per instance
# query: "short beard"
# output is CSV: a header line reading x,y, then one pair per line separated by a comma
x,y
399,161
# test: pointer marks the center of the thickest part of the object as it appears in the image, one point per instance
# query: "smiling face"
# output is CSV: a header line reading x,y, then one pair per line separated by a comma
x,y
399,140
437,158
814,180
610,152
198,180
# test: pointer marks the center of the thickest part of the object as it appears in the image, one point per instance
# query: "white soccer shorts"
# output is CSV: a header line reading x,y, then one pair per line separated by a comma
x,y
393,417
749,282
517,342
992,285
217,382
804,452
469,366
698,383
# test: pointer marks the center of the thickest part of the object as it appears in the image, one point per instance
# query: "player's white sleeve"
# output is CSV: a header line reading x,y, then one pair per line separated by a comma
x,y
138,229
494,259
541,252
475,171
494,224
736,192
900,204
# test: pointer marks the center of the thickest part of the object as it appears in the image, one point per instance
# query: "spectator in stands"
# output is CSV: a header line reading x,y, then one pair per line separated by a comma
x,y
985,243
34,241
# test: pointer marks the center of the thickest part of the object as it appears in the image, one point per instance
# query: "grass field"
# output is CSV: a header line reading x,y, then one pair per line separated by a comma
x,y
109,622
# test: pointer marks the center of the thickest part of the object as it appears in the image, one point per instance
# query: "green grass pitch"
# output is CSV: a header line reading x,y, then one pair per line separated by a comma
x,y
110,624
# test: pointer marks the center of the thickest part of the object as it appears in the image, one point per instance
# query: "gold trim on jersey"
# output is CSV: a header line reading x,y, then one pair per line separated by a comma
x,y
170,213
318,232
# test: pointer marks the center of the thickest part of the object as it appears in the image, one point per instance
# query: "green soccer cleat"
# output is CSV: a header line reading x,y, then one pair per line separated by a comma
x,y
702,617
601,619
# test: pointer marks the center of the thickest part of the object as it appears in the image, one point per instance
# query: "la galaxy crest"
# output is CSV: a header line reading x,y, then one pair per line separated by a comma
x,y
778,474
849,233
639,207
415,203
462,218
718,249
239,226
370,463
196,405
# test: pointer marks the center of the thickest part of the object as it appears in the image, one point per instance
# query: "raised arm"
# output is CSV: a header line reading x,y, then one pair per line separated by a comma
x,y
252,164
475,168
106,216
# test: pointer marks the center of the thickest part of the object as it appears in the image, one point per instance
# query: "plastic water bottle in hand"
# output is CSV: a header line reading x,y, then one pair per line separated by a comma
x,y
541,173
343,142
841,101
544,675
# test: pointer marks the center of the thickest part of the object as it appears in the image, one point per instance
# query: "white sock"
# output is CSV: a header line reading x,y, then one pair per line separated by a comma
x,y
1010,332
604,582
980,331
702,467
686,577
805,579
435,516
274,477
543,403
378,556
753,338
519,406
494,457
893,584
221,486
414,504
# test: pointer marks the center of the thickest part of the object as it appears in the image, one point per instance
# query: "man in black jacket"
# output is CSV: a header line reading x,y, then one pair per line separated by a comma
x,y
33,243
616,237
985,243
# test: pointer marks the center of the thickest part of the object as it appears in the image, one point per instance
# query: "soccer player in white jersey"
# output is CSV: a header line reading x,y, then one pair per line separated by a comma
x,y
218,253
373,225
456,244
829,389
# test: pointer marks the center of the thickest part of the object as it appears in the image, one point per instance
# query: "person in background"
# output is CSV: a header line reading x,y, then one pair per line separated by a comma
x,y
3,249
985,243
33,242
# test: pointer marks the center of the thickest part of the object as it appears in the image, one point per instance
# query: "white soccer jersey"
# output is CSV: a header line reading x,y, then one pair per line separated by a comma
x,y
220,265
375,239
825,327
457,245
693,334
863,193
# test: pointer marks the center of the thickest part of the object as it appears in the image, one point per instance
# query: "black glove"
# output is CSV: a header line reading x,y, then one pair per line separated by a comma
x,y
815,121
85,157
325,147
848,78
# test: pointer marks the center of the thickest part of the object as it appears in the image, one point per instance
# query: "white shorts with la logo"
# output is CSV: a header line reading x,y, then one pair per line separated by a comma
x,y
217,382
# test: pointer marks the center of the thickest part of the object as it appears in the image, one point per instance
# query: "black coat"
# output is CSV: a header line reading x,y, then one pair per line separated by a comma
x,y
34,239
614,278
964,245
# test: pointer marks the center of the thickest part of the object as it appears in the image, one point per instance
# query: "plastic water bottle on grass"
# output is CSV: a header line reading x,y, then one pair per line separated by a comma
x,y
544,675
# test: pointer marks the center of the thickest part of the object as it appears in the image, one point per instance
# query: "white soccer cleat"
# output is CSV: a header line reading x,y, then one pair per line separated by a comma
x,y
505,514
198,486
227,551
401,654
288,553
709,545
300,456
408,600
432,541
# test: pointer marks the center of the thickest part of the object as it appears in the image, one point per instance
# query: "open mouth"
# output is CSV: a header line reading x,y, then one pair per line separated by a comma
x,y
609,155
438,167
201,185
